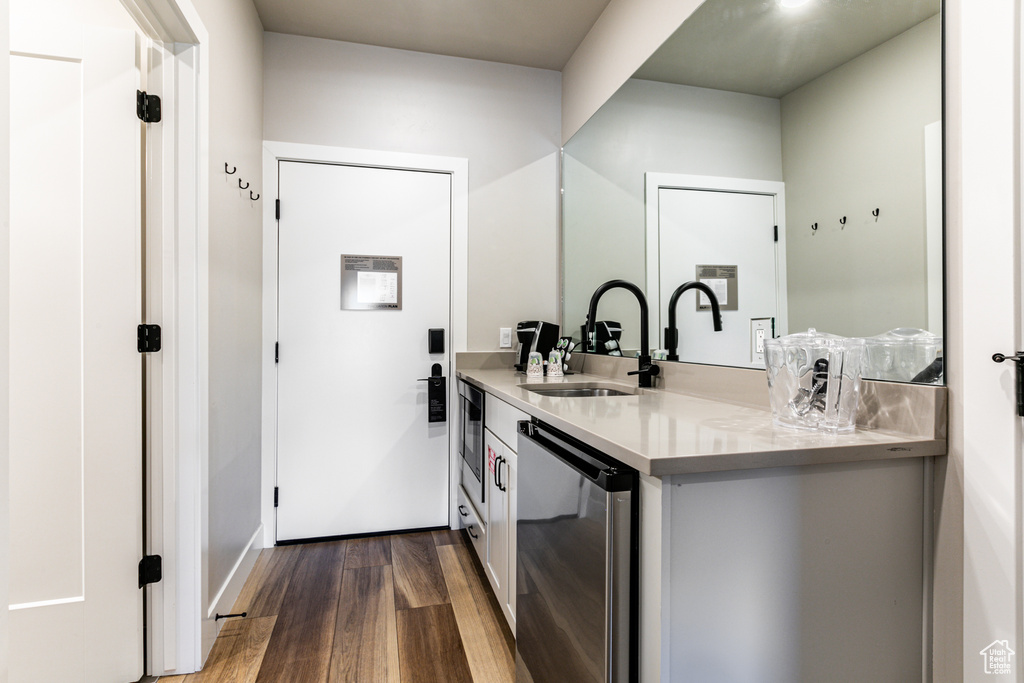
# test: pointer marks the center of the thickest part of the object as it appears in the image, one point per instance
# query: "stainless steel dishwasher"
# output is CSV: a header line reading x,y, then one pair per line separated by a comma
x,y
576,562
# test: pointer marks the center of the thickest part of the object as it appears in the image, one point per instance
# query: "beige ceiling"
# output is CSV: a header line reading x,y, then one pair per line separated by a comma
x,y
760,48
537,33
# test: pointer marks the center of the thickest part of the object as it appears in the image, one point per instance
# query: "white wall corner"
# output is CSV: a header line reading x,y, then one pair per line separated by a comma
x,y
223,602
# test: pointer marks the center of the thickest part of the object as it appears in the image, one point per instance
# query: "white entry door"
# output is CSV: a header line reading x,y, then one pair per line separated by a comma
x,y
356,453
735,232
75,374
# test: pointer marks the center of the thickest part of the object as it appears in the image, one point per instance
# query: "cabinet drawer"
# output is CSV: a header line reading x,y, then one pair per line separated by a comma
x,y
470,521
501,418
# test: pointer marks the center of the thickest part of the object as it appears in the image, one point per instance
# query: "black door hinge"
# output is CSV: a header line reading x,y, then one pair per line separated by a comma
x,y
277,349
277,209
150,570
275,496
147,107
149,338
776,233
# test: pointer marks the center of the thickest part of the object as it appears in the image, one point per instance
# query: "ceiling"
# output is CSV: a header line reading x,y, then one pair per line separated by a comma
x,y
535,33
760,48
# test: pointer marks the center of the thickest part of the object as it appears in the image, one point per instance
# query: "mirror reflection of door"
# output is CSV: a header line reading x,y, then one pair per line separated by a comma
x,y
729,234
707,227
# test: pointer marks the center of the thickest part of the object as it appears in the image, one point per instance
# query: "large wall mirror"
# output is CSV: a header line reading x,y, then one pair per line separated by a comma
x,y
788,157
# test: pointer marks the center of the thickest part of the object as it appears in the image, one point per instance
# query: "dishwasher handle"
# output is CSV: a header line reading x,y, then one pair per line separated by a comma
x,y
578,456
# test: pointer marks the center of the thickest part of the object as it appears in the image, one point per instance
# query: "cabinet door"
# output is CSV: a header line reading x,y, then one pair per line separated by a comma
x,y
509,472
497,516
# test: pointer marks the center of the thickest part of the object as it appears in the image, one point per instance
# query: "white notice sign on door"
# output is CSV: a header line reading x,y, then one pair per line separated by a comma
x,y
377,288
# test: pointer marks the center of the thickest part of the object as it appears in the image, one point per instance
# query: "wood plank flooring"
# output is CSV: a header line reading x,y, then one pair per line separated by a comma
x,y
408,608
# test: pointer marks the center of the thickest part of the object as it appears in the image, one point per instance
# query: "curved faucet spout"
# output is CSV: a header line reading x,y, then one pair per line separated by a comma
x,y
646,369
672,332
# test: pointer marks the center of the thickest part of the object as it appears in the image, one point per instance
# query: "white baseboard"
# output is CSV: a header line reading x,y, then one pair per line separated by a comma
x,y
230,590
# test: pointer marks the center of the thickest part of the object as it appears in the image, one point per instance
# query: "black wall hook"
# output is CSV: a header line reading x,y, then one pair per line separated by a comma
x,y
842,222
242,187
232,171
253,198
814,228
875,214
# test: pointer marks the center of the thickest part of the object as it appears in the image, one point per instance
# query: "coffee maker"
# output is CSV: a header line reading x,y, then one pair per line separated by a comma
x,y
607,334
534,335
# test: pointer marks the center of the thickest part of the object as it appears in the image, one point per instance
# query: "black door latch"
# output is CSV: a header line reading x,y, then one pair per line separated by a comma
x,y
1017,358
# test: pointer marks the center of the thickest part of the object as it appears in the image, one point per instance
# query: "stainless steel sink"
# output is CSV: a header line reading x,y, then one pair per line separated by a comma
x,y
579,391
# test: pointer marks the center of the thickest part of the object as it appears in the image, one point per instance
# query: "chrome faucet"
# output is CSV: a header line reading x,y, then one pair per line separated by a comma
x,y
645,369
672,332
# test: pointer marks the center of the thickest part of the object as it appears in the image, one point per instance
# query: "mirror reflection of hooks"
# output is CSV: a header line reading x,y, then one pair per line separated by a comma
x,y
814,229
242,187
253,198
842,223
232,171
875,214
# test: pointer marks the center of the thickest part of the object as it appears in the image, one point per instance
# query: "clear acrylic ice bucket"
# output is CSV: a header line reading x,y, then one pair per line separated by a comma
x,y
814,380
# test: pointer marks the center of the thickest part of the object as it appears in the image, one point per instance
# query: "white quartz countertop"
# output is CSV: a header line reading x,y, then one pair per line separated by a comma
x,y
661,433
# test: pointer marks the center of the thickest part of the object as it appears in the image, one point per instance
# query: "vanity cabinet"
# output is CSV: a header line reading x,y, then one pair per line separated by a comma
x,y
501,467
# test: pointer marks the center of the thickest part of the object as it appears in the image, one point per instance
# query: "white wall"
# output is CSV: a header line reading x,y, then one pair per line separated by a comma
x,y
853,141
619,42
984,317
659,127
232,496
5,355
503,119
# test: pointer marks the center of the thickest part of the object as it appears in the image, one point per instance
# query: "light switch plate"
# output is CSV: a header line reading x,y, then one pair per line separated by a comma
x,y
505,338
760,329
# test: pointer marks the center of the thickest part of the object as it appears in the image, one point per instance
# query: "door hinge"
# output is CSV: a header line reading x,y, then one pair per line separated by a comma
x,y
149,338
776,233
150,570
147,107
275,496
277,209
277,349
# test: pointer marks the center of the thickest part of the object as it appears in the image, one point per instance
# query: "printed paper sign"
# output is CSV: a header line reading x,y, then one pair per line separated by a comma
x,y
377,288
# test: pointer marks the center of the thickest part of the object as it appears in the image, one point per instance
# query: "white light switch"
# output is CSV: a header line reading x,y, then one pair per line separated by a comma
x,y
505,338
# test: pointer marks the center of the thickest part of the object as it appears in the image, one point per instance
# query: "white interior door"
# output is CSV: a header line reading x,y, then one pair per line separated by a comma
x,y
75,378
356,453
717,228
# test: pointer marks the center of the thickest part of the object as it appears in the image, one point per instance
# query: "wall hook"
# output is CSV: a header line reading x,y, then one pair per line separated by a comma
x,y
814,229
242,187
875,214
232,171
842,222
253,198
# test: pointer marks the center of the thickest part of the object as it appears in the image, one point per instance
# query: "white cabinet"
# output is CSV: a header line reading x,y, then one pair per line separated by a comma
x,y
501,466
501,558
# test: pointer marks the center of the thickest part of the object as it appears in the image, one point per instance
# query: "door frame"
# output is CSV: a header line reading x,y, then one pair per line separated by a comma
x,y
653,182
458,169
177,295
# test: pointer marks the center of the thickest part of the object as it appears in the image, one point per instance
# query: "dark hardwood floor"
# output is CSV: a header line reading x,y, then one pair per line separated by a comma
x,y
409,608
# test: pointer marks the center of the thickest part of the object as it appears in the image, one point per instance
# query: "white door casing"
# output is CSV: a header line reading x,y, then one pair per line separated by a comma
x,y
457,168
356,452
76,467
740,213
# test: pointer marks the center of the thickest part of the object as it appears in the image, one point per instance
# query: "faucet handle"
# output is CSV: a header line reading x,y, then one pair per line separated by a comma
x,y
647,369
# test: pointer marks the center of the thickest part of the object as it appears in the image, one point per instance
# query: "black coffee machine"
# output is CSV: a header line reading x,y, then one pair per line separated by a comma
x,y
607,334
534,335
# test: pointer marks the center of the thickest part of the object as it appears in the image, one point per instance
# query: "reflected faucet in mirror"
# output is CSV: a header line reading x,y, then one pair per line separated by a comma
x,y
646,370
672,332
